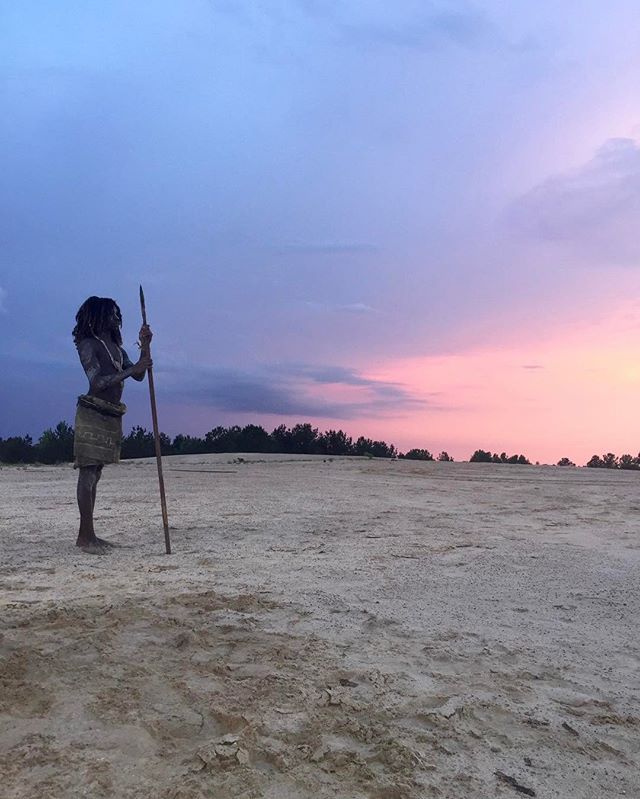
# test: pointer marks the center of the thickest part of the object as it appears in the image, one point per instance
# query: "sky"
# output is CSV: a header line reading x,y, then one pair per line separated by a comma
x,y
415,221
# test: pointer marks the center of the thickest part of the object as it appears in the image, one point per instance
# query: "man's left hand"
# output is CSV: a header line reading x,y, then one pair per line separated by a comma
x,y
145,336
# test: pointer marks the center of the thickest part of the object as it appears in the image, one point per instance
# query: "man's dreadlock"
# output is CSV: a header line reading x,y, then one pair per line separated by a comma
x,y
92,319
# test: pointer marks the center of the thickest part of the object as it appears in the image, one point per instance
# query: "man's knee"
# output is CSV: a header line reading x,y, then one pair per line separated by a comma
x,y
88,477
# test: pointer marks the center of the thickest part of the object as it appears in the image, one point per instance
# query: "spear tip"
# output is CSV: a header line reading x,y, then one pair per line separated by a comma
x,y
142,306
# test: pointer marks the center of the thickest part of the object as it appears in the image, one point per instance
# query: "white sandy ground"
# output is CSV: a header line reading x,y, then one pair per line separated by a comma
x,y
347,628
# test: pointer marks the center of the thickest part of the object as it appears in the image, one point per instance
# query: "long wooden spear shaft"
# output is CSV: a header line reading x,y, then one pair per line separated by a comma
x,y
156,435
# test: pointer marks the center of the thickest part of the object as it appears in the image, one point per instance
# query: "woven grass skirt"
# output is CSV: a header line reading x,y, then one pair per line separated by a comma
x,y
98,432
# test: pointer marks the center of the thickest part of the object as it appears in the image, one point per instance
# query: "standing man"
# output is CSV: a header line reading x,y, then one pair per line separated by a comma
x,y
98,426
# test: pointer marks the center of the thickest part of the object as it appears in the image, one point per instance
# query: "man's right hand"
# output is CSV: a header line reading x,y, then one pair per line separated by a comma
x,y
144,363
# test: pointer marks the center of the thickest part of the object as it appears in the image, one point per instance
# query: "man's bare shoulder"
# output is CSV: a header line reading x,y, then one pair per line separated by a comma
x,y
87,350
86,344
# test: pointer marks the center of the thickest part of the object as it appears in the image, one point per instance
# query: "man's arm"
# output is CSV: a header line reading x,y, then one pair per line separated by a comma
x,y
126,364
99,382
144,338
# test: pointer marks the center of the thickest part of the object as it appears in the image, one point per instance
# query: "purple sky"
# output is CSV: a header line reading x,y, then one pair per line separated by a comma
x,y
316,195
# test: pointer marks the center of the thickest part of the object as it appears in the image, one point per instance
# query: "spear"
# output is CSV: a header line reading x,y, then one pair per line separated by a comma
x,y
156,435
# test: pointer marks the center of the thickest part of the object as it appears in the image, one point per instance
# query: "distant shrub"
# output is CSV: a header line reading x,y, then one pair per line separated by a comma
x,y
484,456
17,449
610,461
55,446
481,456
418,455
628,462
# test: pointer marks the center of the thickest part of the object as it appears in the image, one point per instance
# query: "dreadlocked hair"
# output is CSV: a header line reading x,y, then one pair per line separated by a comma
x,y
93,319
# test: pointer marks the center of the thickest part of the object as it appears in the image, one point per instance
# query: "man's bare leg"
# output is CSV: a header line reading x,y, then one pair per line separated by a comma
x,y
101,541
88,477
95,486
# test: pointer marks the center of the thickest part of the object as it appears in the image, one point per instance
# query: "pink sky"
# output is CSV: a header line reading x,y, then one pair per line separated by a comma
x,y
570,392
574,394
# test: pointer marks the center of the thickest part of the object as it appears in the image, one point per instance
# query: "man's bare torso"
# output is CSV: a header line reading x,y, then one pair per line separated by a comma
x,y
102,358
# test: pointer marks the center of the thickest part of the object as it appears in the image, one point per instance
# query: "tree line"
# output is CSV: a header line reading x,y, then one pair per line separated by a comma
x,y
55,445
611,461
301,439
484,456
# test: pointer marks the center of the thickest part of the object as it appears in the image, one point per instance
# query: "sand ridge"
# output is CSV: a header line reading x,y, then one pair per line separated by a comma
x,y
325,628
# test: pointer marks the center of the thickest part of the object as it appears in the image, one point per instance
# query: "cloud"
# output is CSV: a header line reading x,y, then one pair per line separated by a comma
x,y
3,297
295,390
532,366
356,307
420,26
328,248
595,208
352,308
344,376
330,374
229,390
426,31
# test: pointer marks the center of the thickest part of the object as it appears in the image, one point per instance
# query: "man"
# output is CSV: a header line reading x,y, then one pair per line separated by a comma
x,y
98,426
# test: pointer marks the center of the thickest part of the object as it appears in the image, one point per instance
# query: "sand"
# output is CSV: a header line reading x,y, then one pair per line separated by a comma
x,y
326,628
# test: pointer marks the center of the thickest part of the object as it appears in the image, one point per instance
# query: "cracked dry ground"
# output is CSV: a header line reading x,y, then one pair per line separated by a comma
x,y
204,695
190,697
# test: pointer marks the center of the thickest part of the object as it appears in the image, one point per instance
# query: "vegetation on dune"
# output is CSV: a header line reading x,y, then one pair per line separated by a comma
x,y
611,461
418,455
485,456
55,445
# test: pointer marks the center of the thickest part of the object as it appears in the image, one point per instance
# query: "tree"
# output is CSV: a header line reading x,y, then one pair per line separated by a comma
x,y
140,443
480,456
254,438
56,446
336,442
381,449
565,462
418,455
628,462
304,439
17,449
224,439
595,462
610,461
214,439
445,457
187,445
281,438
363,446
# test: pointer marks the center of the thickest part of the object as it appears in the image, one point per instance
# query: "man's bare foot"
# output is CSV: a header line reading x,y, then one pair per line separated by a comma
x,y
93,547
